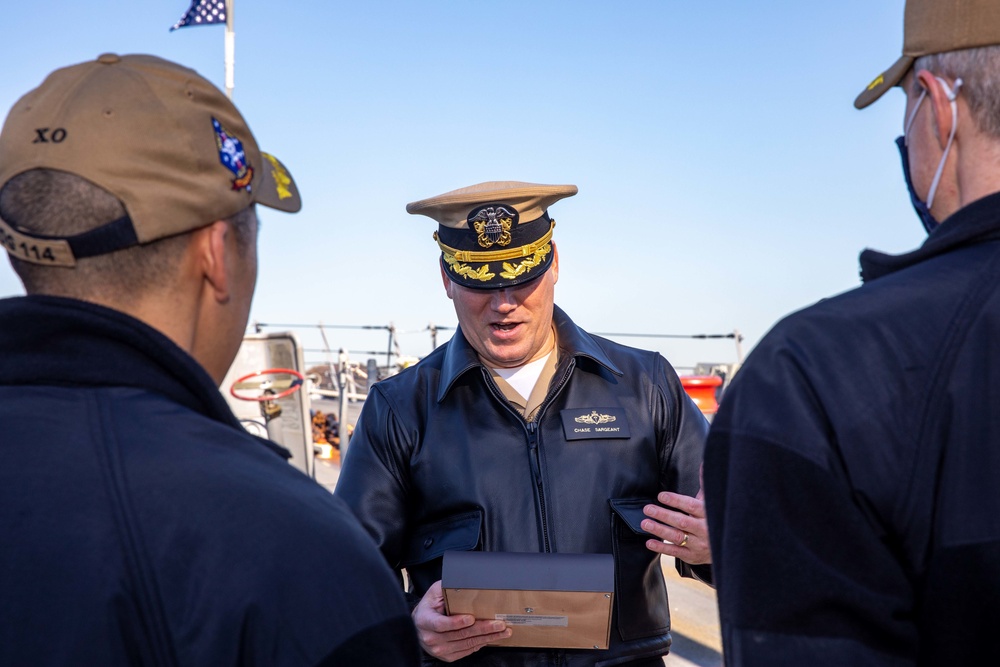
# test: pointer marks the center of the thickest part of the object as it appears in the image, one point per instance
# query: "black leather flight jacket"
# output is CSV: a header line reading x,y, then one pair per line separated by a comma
x,y
440,460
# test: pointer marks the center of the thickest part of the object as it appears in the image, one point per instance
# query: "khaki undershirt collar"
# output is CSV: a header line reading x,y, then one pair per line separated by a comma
x,y
528,408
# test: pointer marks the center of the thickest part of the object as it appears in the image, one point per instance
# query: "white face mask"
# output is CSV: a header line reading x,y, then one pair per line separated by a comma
x,y
952,94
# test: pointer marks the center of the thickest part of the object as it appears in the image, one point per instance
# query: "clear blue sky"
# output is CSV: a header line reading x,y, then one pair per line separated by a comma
x,y
725,177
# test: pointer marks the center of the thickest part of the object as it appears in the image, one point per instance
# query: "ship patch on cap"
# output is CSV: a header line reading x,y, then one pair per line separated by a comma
x,y
492,224
233,157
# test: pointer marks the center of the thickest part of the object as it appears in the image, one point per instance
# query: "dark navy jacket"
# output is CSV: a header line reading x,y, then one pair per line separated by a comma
x,y
141,525
852,475
442,461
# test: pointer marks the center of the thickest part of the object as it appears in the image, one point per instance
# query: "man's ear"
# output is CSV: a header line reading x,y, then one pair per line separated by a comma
x,y
940,97
555,264
448,283
210,244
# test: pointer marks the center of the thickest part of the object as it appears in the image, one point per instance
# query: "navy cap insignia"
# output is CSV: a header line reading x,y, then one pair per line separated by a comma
x,y
233,157
492,224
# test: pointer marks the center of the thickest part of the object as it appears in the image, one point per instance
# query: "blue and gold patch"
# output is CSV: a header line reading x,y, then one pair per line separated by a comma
x,y
233,157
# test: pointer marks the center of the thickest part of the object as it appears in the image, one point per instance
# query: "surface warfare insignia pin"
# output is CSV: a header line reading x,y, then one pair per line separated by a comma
x,y
233,157
595,418
492,224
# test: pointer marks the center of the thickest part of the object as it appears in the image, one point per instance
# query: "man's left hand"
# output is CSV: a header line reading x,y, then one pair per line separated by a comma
x,y
683,534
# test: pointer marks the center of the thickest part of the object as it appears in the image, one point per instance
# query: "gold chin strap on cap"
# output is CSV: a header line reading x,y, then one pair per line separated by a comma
x,y
496,255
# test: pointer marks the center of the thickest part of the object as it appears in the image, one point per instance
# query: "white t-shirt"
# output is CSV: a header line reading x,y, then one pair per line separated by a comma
x,y
523,378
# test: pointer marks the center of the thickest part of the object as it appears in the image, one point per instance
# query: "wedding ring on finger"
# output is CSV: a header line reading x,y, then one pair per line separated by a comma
x,y
684,541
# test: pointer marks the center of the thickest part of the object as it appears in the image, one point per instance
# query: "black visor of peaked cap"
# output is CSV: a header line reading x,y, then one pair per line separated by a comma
x,y
533,258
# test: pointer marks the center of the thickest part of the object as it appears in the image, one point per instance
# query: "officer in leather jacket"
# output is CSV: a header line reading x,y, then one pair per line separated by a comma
x,y
524,433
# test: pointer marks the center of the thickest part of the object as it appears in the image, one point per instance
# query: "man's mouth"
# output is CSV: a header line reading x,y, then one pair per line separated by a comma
x,y
505,326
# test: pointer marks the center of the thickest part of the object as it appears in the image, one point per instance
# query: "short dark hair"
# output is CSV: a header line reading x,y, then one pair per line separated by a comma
x,y
57,203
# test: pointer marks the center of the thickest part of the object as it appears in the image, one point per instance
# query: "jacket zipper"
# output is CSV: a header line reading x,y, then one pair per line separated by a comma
x,y
536,468
532,430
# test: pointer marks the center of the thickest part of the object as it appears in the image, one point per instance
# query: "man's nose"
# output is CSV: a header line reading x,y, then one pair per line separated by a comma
x,y
503,300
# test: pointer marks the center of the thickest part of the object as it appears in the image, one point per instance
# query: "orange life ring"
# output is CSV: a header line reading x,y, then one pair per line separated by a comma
x,y
701,389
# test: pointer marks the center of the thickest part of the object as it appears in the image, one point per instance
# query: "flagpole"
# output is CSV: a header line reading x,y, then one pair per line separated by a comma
x,y
230,49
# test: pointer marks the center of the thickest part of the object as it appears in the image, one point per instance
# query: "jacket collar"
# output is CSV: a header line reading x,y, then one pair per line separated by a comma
x,y
460,357
977,222
53,341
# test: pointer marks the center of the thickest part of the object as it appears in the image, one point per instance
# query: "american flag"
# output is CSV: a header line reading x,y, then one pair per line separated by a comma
x,y
203,12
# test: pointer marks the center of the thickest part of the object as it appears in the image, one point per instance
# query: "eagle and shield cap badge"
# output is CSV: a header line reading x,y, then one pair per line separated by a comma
x,y
492,224
495,234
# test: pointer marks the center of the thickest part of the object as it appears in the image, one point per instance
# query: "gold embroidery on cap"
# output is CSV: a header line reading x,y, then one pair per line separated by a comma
x,y
879,80
496,255
483,274
281,178
512,271
538,251
491,227
595,418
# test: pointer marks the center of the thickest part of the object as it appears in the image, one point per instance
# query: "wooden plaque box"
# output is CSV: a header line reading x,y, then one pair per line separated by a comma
x,y
553,600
